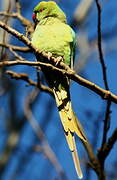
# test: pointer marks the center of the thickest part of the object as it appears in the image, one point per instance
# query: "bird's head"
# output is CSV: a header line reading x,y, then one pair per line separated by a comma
x,y
48,9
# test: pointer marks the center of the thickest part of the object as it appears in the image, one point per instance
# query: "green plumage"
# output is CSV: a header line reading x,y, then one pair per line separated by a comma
x,y
53,35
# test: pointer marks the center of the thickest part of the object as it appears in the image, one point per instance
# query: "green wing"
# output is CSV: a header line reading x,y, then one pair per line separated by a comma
x,y
73,48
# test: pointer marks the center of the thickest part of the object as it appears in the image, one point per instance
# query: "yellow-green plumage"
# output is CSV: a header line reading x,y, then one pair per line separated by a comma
x,y
53,35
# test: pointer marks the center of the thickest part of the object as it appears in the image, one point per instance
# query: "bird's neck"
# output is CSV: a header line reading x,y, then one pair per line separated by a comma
x,y
49,21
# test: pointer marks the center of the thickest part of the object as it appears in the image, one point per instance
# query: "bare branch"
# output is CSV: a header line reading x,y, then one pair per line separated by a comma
x,y
100,46
71,74
24,77
17,56
18,35
94,162
23,20
108,106
5,32
103,153
106,123
15,48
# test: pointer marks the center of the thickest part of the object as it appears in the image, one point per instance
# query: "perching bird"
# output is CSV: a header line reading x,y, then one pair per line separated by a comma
x,y
53,35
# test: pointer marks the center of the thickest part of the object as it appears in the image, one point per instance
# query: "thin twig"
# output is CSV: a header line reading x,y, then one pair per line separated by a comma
x,y
24,77
11,49
23,20
16,55
108,106
94,162
16,48
103,153
106,123
6,22
100,47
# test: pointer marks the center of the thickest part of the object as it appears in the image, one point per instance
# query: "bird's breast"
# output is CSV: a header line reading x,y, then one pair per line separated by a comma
x,y
53,38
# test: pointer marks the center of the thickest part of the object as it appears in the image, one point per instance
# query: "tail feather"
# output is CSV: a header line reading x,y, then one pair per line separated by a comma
x,y
76,160
78,129
70,124
72,145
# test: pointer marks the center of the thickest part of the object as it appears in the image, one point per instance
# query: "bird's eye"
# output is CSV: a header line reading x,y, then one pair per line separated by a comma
x,y
41,10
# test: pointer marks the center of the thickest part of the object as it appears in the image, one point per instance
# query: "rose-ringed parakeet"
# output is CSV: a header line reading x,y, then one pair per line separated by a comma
x,y
53,35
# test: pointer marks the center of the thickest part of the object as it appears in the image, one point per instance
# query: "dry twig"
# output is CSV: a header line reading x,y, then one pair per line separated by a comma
x,y
23,20
103,153
15,48
108,106
24,77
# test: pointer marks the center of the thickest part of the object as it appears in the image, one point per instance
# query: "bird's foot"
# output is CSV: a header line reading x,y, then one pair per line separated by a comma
x,y
49,55
58,60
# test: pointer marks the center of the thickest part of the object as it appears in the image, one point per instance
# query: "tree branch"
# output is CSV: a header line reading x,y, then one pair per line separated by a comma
x,y
103,153
16,48
17,15
108,106
101,57
94,162
71,74
24,77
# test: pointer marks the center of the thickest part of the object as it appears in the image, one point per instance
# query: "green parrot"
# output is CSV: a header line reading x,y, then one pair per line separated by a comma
x,y
53,35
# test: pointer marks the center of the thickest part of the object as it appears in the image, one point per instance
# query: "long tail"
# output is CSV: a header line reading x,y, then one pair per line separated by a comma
x,y
70,124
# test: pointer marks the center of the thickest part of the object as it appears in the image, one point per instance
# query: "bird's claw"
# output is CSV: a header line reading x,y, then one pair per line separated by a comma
x,y
49,55
58,60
